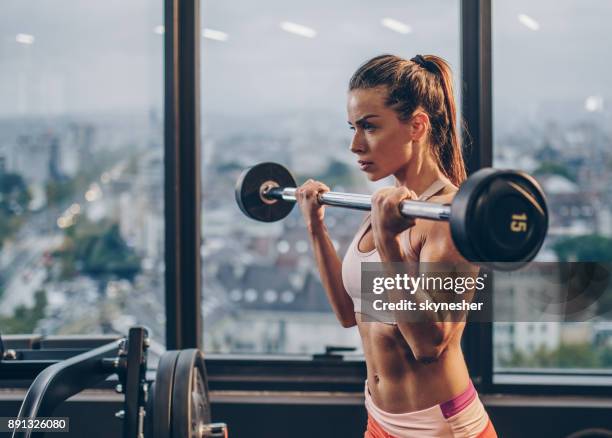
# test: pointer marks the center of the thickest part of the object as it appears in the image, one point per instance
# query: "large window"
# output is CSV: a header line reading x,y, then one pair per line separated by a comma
x,y
552,93
81,167
274,81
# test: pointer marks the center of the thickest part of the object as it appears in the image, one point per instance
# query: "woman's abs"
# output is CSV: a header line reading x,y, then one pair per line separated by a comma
x,y
398,382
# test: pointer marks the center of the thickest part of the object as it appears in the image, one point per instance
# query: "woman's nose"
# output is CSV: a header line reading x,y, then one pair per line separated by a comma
x,y
358,144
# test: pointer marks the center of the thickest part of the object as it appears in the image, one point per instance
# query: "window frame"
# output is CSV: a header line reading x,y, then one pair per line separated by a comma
x,y
182,183
477,79
182,194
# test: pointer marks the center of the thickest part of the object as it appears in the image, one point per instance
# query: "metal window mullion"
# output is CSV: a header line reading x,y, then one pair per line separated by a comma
x,y
476,65
477,91
182,173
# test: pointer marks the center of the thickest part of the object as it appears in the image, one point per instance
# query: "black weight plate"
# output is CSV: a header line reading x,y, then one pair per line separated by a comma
x,y
501,219
162,396
516,218
248,194
461,208
190,402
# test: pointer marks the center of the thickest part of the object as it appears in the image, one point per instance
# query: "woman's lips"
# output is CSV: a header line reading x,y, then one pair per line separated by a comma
x,y
365,165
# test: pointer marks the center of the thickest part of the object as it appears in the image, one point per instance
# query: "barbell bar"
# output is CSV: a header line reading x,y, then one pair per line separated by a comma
x,y
498,218
353,201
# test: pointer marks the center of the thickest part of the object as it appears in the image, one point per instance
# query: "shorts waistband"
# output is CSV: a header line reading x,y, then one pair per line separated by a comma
x,y
462,416
449,408
458,403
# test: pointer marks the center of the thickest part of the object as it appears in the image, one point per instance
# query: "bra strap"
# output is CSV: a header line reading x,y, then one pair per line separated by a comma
x,y
432,189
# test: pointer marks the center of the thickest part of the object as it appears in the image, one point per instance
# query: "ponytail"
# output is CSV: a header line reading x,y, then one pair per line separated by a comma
x,y
449,154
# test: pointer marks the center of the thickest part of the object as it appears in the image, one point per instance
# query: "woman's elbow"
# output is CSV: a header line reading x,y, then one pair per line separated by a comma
x,y
348,322
431,349
428,353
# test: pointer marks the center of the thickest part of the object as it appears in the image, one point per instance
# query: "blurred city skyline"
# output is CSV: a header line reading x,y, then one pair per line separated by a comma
x,y
81,155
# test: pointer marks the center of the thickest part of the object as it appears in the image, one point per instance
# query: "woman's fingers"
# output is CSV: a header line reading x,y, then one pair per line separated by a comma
x,y
311,190
385,209
307,196
389,198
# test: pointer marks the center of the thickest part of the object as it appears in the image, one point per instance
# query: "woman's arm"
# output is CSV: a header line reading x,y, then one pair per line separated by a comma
x,y
330,268
429,337
328,262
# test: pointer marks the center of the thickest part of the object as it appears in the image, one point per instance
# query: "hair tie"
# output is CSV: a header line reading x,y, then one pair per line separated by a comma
x,y
427,65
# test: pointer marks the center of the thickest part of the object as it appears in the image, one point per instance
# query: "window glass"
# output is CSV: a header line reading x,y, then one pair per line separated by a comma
x,y
81,167
552,93
274,82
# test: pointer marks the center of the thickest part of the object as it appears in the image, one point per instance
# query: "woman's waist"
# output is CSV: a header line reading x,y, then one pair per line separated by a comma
x,y
403,384
460,416
447,403
414,393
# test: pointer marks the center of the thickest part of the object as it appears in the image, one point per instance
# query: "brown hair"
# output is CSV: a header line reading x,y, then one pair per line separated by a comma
x,y
425,81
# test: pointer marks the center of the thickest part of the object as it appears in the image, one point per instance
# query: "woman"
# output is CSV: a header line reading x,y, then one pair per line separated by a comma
x,y
403,116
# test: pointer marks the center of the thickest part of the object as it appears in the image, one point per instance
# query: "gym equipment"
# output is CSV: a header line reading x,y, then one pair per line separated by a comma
x,y
190,405
181,406
498,218
162,395
175,404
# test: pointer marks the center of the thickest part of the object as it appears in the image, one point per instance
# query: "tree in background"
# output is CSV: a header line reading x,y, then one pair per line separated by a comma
x,y
14,200
590,248
25,319
337,174
593,254
554,168
97,249
565,356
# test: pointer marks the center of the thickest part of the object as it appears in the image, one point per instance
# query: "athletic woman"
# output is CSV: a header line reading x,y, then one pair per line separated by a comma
x,y
403,116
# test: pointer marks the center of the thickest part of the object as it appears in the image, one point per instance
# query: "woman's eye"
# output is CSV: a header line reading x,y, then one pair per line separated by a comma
x,y
365,127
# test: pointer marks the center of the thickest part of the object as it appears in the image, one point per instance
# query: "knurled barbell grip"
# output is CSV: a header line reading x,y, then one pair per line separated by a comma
x,y
417,209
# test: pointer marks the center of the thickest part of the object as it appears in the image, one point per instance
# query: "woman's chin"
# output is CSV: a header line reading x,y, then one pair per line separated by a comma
x,y
374,176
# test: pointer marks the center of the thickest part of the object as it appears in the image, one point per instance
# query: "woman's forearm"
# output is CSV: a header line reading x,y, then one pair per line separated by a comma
x,y
330,268
426,335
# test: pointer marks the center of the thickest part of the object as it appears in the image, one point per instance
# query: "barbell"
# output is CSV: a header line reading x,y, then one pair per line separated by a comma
x,y
498,218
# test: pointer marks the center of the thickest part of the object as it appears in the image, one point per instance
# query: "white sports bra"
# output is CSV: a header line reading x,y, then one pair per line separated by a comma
x,y
351,264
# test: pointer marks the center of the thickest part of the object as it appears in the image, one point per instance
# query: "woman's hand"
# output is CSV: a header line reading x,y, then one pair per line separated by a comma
x,y
307,198
387,222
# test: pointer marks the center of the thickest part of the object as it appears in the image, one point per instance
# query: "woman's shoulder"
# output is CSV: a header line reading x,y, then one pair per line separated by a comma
x,y
435,236
444,196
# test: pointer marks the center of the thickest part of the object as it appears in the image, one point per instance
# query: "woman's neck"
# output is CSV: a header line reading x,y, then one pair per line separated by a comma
x,y
419,173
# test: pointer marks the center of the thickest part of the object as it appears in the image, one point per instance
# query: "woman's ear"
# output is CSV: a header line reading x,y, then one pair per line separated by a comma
x,y
419,125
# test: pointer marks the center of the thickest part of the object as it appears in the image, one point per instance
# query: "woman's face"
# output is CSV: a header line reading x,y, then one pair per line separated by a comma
x,y
383,144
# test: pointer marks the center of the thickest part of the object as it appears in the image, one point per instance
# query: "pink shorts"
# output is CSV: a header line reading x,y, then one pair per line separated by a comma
x,y
462,417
